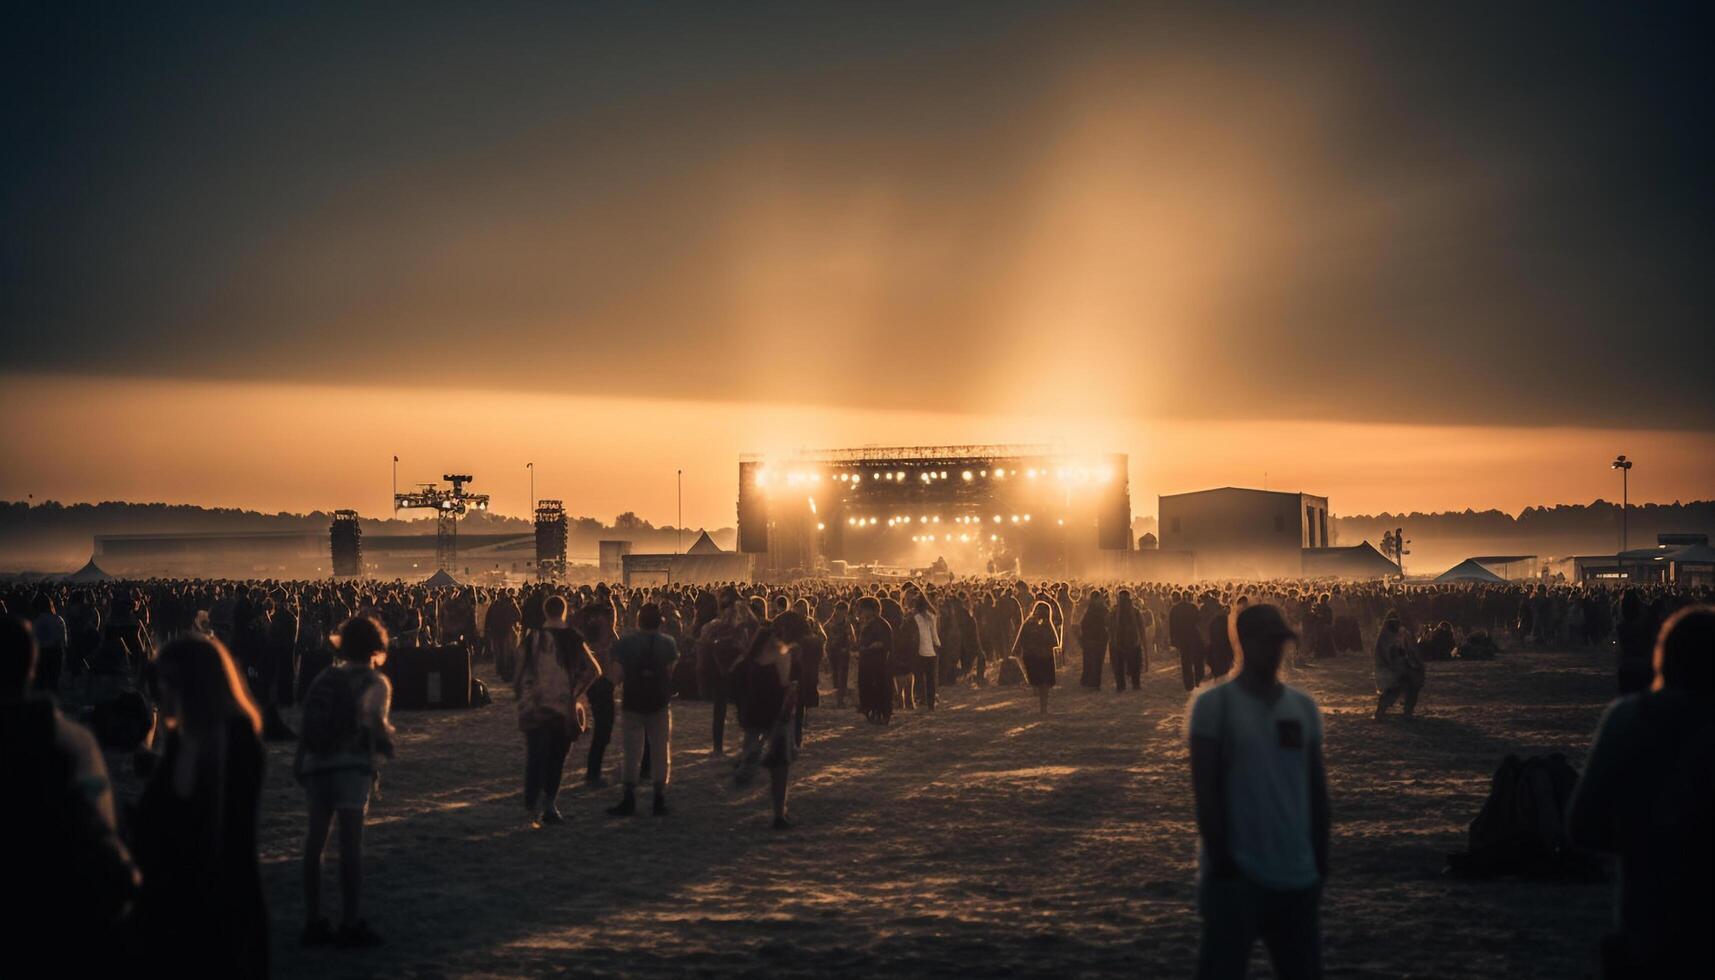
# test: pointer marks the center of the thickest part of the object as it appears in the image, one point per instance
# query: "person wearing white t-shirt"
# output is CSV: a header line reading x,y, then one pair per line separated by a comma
x,y
1262,809
928,649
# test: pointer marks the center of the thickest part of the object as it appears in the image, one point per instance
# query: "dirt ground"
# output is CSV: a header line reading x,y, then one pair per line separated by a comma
x,y
980,840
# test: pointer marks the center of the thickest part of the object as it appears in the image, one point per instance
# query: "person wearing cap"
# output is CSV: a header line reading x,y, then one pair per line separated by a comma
x,y
1262,808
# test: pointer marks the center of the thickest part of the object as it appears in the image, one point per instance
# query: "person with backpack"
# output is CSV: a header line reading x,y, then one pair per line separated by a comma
x,y
1262,809
1648,795
345,732
555,668
644,661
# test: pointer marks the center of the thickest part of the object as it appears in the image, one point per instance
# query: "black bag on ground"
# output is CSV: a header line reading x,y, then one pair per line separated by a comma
x,y
1522,826
1011,672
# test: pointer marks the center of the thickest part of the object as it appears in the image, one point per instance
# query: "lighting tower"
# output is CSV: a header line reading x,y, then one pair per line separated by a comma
x,y
447,504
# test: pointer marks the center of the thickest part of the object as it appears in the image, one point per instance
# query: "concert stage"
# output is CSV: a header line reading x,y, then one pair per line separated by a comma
x,y
981,509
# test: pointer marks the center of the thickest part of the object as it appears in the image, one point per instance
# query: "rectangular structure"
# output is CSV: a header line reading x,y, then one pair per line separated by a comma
x,y
1234,532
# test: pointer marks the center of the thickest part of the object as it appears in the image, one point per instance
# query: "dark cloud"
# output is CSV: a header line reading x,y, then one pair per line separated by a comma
x,y
1440,212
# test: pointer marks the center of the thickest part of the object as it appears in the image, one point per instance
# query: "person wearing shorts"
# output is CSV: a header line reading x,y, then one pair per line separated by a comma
x,y
345,734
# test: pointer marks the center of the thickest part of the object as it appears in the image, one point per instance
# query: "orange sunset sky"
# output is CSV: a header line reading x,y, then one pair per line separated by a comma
x,y
1407,260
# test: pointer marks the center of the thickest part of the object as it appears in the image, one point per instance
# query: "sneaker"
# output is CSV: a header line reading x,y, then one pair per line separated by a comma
x,y
624,808
317,933
358,935
552,816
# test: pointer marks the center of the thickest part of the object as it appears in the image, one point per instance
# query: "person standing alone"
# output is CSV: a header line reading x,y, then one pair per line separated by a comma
x,y
644,662
1262,809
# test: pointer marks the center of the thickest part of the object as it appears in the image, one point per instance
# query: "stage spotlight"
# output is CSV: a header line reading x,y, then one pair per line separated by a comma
x,y
985,472
994,537
997,518
999,473
820,526
1015,518
872,520
1030,474
899,475
1027,518
966,475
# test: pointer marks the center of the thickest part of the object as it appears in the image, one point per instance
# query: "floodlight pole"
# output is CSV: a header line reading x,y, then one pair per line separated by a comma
x,y
530,505
679,522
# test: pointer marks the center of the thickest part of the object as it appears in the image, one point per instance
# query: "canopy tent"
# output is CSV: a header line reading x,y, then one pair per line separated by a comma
x,y
1360,561
90,572
1470,570
704,545
442,579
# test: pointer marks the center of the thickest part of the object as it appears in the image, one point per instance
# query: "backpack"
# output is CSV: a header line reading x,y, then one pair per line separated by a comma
x,y
646,686
1521,828
330,711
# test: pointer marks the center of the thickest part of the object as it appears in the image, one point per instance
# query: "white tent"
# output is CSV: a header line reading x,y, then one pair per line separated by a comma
x,y
704,545
442,579
90,572
1470,570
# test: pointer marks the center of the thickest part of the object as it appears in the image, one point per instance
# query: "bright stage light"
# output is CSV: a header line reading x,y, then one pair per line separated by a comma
x,y
1061,522
872,520
994,537
1030,473
1015,518
964,537
999,473
985,472
820,526
997,518
899,474
857,478
1027,518
936,519
966,475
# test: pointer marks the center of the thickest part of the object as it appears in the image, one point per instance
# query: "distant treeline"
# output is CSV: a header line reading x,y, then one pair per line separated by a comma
x,y
51,531
61,532
1596,523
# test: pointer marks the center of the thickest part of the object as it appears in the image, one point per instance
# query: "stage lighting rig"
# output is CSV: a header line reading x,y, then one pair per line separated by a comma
x,y
448,504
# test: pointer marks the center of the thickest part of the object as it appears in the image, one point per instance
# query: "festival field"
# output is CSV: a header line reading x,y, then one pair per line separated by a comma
x,y
980,840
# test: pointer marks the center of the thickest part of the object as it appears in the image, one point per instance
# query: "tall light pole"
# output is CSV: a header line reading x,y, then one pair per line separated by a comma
x,y
679,522
395,484
530,505
1624,465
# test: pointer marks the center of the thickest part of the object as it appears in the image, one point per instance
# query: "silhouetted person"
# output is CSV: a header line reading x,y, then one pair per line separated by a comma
x,y
842,638
1648,795
345,733
201,912
1262,809
1183,633
1126,645
875,648
1093,633
554,669
765,713
1636,636
644,661
71,879
1398,670
1034,647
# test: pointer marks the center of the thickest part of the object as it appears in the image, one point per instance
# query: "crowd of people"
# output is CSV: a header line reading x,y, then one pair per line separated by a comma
x,y
199,674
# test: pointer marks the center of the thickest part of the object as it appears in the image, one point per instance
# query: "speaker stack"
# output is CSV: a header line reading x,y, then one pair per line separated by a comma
x,y
346,541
